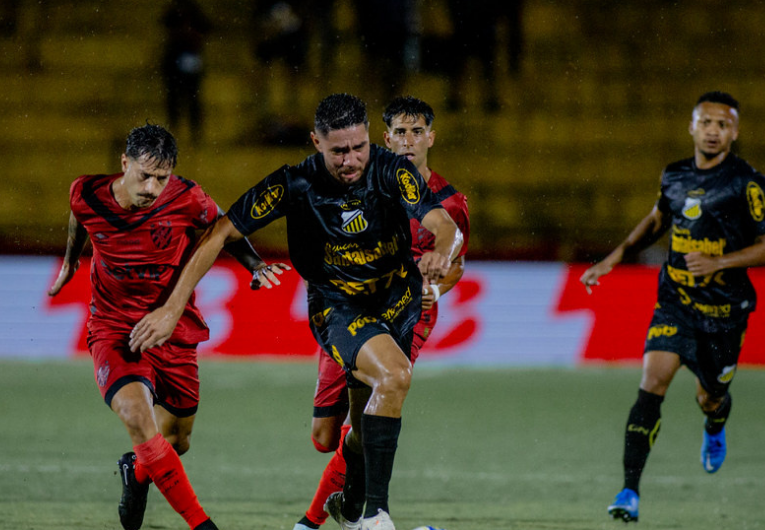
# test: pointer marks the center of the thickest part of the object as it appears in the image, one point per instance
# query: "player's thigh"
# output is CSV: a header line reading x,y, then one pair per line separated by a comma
x,y
380,361
659,368
176,378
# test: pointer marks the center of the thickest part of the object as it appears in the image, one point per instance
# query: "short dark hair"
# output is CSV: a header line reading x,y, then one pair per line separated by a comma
x,y
718,97
409,106
155,142
340,111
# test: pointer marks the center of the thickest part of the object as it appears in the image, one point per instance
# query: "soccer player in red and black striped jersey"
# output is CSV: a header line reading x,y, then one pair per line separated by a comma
x,y
142,224
408,133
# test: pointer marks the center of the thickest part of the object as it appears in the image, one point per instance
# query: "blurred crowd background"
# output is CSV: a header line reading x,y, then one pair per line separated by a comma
x,y
554,117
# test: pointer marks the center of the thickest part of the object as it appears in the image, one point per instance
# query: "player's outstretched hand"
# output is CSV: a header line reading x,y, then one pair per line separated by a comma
x,y
434,266
591,275
153,329
64,275
267,275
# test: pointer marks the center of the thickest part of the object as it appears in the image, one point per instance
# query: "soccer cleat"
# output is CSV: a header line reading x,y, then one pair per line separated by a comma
x,y
713,450
333,507
207,525
306,524
133,502
381,521
625,506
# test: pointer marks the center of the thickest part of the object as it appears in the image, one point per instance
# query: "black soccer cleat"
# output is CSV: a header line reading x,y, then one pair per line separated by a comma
x,y
207,525
133,502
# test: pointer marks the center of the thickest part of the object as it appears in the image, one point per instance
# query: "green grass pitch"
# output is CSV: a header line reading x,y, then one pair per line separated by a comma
x,y
522,449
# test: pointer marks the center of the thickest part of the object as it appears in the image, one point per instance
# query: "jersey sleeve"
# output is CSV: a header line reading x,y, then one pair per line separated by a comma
x,y
405,184
265,202
203,210
662,202
75,197
755,198
458,211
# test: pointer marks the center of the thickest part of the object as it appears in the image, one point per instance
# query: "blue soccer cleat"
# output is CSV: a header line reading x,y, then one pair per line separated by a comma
x,y
713,450
625,506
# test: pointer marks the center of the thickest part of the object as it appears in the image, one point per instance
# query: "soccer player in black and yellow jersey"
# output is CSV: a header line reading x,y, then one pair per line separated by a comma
x,y
714,209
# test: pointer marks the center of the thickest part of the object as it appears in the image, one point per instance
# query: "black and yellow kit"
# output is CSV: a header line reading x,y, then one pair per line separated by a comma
x,y
714,211
350,243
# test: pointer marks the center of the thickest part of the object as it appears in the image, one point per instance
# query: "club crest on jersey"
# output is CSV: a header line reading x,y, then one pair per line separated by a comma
x,y
354,222
407,184
161,234
267,201
756,201
692,208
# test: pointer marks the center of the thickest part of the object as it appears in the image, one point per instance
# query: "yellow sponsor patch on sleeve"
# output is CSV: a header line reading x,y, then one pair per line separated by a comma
x,y
408,185
267,201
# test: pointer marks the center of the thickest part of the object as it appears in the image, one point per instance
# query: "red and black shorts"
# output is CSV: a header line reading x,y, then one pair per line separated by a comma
x,y
170,371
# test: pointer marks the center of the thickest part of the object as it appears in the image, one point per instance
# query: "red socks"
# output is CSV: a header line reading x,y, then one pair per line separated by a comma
x,y
332,480
159,461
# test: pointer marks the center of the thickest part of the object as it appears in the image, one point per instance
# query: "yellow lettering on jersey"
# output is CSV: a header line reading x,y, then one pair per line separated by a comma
x,y
664,330
392,312
359,323
319,318
267,201
346,256
756,201
408,186
683,243
369,286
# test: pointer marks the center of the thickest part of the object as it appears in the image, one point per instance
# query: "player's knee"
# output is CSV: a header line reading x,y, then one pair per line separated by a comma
x,y
181,443
324,443
395,382
708,403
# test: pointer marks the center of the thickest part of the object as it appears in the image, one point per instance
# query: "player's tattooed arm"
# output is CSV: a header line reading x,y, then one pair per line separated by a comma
x,y
76,239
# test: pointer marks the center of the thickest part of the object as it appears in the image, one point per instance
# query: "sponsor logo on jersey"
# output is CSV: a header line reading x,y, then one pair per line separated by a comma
x,y
359,323
664,330
692,208
683,242
370,286
353,204
347,255
407,184
756,201
727,374
267,201
354,222
391,313
161,234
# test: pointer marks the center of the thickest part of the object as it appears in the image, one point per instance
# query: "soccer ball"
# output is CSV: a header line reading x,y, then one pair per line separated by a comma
x,y
428,528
